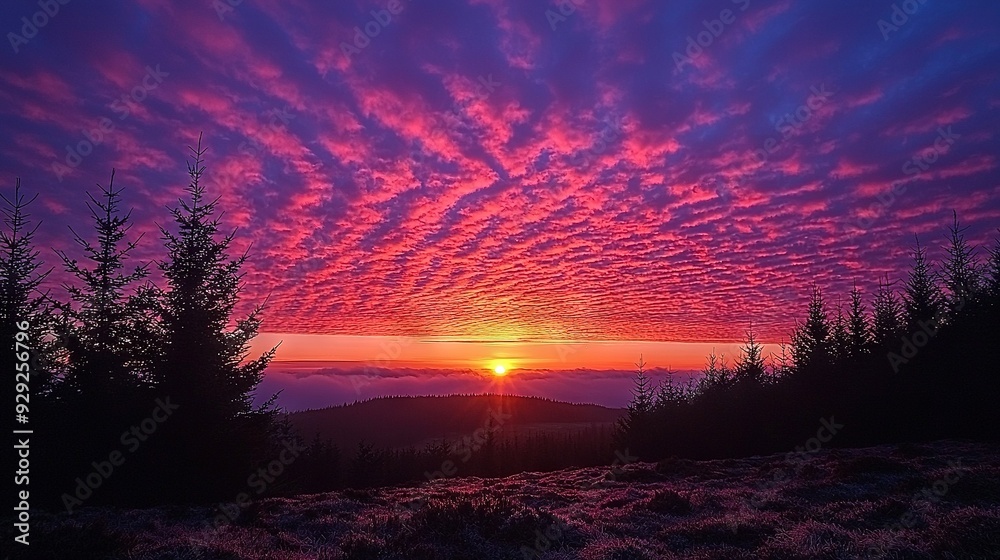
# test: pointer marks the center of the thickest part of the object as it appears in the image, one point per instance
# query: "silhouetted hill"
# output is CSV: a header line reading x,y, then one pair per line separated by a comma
x,y
405,421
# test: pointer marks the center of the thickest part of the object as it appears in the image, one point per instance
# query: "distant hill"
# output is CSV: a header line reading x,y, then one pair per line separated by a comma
x,y
394,422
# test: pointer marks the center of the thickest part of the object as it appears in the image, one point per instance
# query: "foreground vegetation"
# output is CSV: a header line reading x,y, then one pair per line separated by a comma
x,y
932,501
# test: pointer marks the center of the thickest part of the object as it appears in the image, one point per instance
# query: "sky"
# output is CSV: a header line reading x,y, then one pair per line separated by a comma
x,y
491,181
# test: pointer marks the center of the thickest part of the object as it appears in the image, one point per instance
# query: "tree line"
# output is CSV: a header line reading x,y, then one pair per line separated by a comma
x,y
139,393
919,365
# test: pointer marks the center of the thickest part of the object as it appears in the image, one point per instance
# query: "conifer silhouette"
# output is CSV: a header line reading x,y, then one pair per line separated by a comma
x,y
922,297
962,276
811,344
204,365
858,330
109,336
887,316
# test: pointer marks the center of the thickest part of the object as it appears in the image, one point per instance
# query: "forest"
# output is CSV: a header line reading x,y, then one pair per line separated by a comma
x,y
145,391
915,363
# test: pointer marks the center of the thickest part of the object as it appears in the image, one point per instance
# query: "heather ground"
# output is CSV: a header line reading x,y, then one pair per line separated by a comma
x,y
926,501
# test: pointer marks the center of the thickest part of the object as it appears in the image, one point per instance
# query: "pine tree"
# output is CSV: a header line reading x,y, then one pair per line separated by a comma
x,y
887,316
961,272
782,363
922,297
811,345
367,465
21,305
858,333
21,301
642,393
635,427
669,394
205,367
750,364
839,336
109,338
716,374
992,281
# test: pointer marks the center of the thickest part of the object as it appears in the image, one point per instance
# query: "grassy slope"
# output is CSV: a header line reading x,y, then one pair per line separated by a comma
x,y
834,504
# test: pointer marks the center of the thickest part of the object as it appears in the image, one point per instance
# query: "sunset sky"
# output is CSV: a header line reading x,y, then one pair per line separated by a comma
x,y
551,186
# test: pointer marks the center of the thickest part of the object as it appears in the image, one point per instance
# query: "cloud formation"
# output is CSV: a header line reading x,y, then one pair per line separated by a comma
x,y
477,168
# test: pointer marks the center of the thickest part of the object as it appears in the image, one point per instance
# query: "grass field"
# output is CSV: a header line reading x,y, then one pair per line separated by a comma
x,y
929,501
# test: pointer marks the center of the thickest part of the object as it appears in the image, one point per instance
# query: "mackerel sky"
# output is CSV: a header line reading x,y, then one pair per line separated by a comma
x,y
486,169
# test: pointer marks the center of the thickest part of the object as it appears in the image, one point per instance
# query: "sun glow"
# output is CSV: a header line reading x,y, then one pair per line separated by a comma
x,y
499,370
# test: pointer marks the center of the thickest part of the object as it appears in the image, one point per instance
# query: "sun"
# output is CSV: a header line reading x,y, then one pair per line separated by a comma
x,y
499,370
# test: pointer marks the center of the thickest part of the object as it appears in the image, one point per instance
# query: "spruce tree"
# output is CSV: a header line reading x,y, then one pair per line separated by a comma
x,y
858,332
750,364
716,374
839,336
811,344
782,363
961,271
21,301
19,264
109,334
22,305
922,297
205,367
992,276
669,394
634,429
887,316
642,392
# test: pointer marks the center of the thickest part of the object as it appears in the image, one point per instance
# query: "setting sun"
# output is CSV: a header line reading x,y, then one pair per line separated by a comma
x,y
499,370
